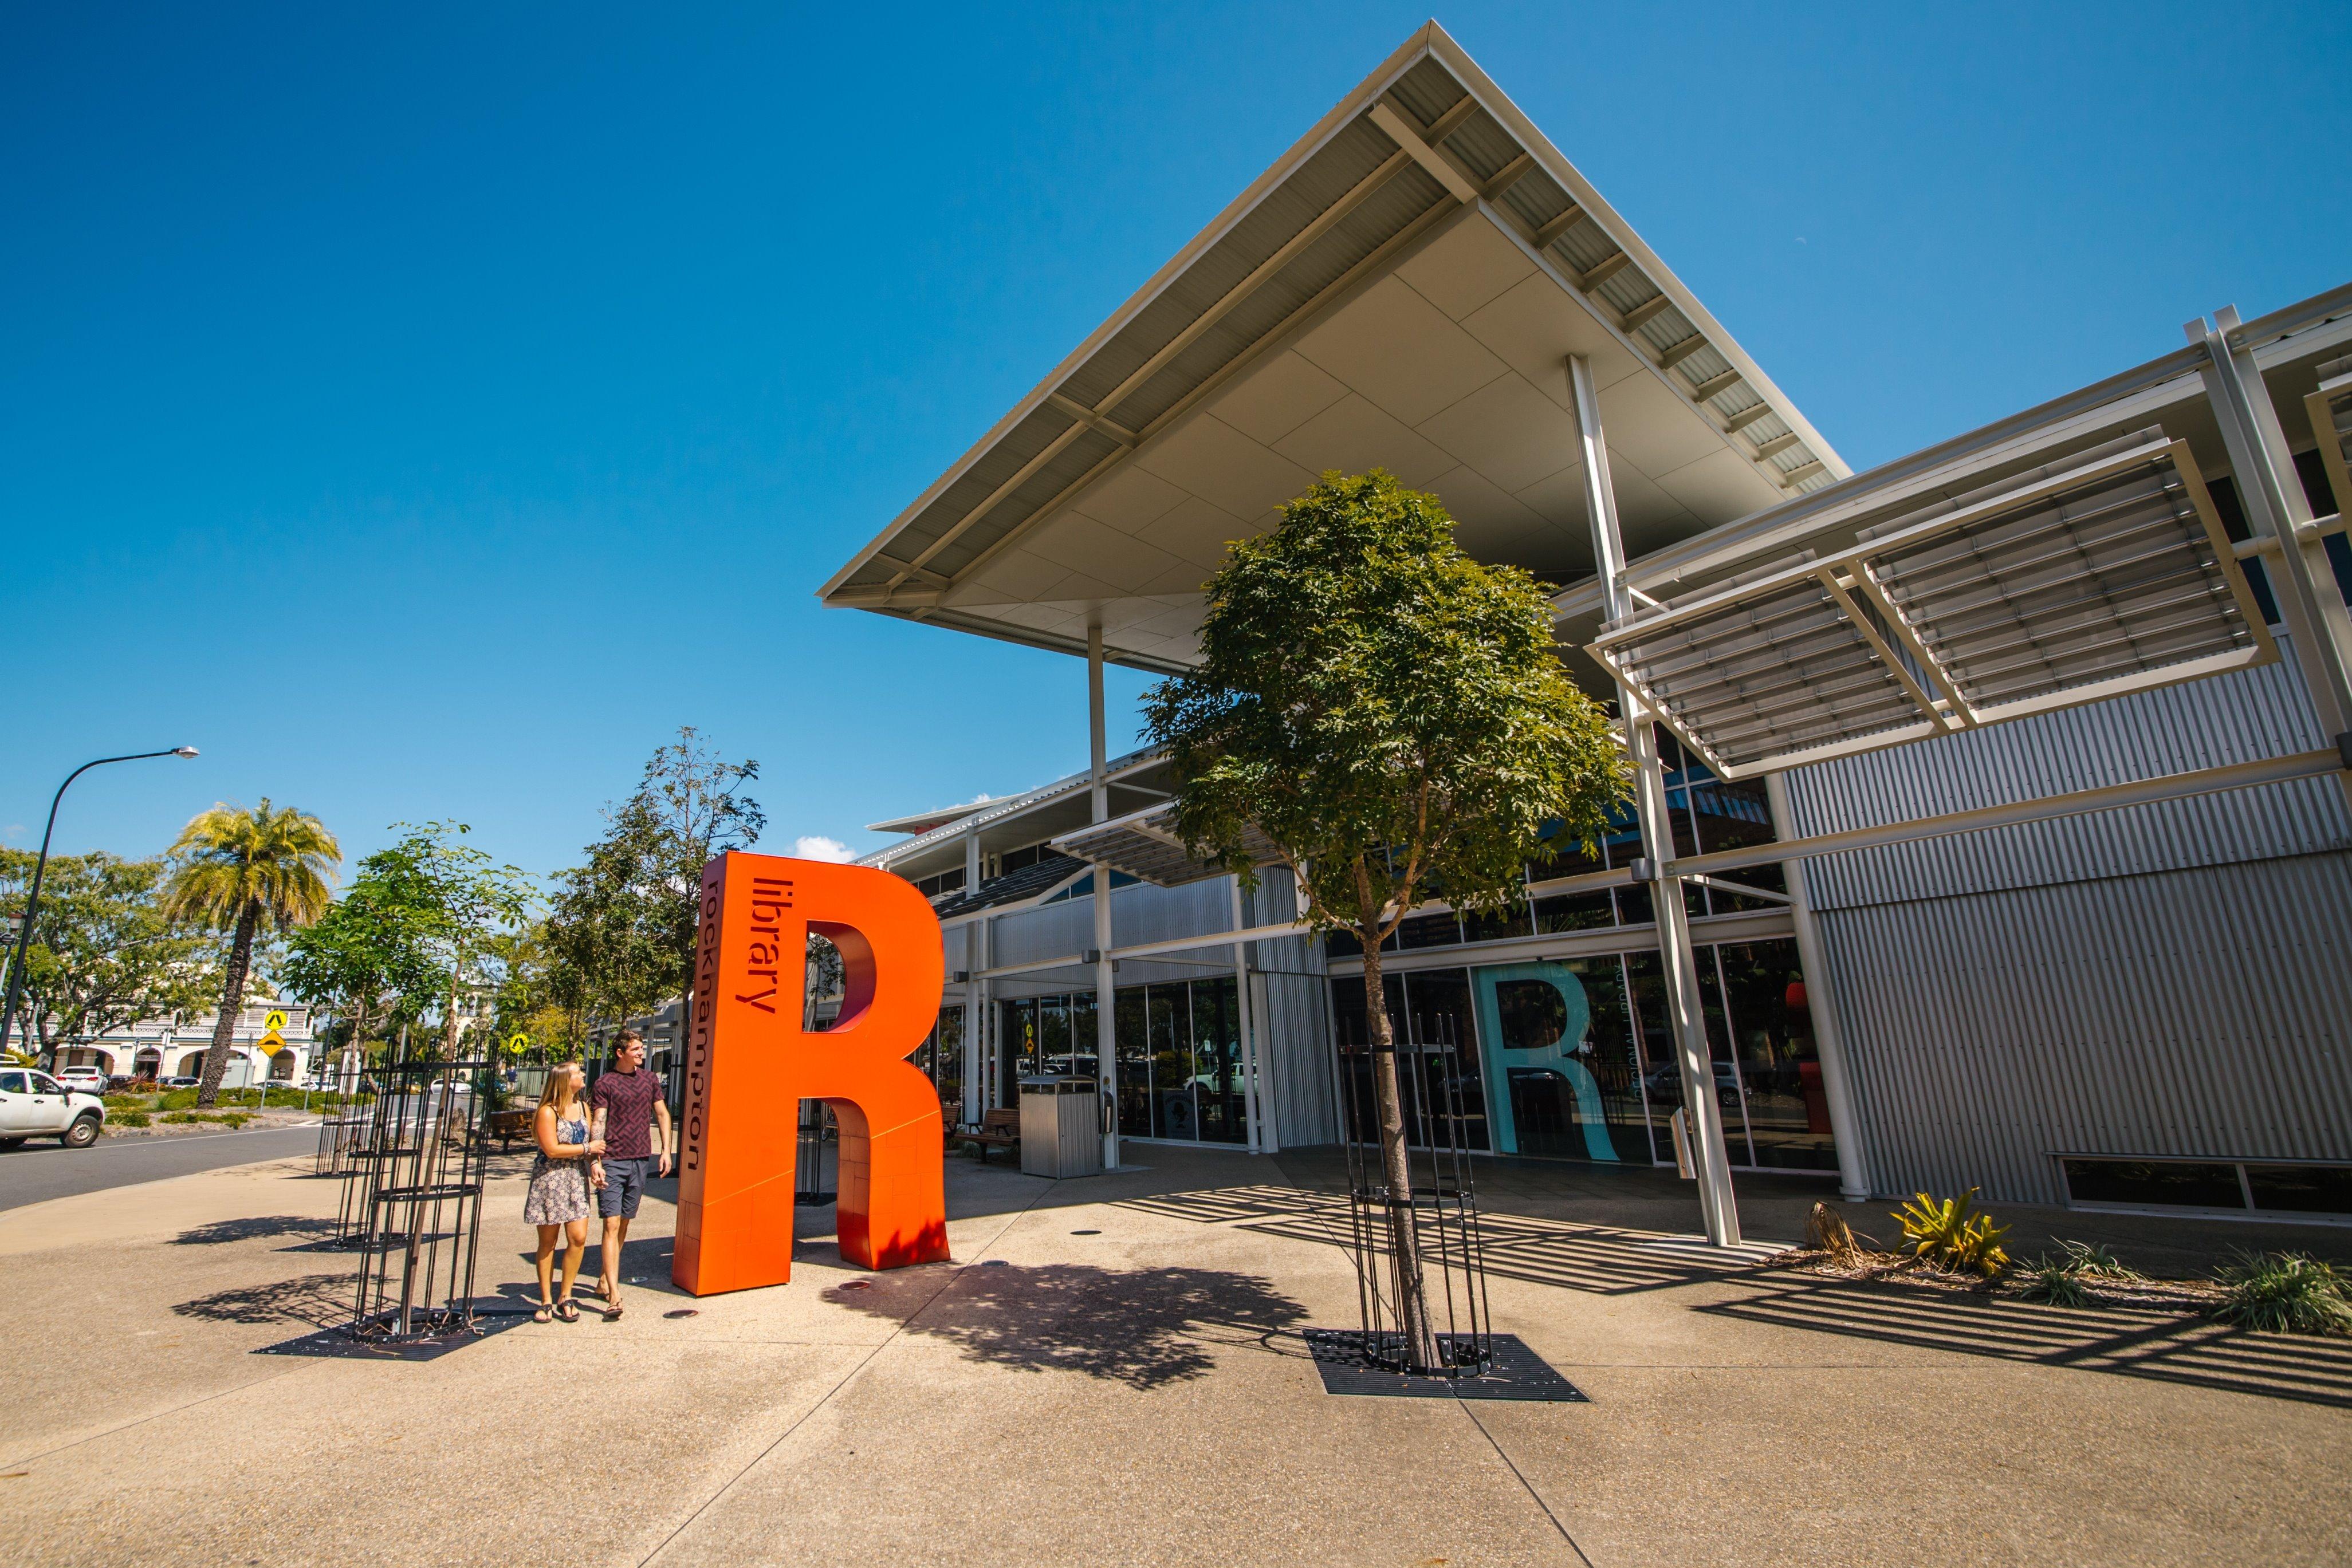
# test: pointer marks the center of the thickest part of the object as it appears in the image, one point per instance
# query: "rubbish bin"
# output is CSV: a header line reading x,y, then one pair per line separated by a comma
x,y
1061,1127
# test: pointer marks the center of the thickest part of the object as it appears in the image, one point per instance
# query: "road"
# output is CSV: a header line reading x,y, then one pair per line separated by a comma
x,y
39,1172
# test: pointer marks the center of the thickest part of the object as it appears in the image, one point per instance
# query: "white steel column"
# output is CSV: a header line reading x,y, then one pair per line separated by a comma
x,y
2302,581
1243,1023
1704,1114
992,1047
1829,1041
974,1059
1105,985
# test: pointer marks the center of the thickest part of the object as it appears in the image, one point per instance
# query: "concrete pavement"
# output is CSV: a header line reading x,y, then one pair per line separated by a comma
x,y
1135,1394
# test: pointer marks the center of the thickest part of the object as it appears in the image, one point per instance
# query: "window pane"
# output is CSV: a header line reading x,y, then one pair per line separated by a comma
x,y
1216,1058
1134,1063
2302,1190
1494,925
1552,1109
1172,1108
1429,931
1444,1036
1779,1065
2158,1183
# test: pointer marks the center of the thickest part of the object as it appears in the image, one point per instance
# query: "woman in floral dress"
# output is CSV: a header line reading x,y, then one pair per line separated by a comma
x,y
560,1181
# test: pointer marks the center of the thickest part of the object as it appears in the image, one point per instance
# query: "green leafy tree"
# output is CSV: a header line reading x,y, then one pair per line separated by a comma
x,y
475,901
620,927
371,957
103,952
1393,718
238,870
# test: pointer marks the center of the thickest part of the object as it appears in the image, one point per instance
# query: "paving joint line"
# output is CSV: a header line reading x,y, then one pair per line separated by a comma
x,y
1321,1218
159,1415
846,1378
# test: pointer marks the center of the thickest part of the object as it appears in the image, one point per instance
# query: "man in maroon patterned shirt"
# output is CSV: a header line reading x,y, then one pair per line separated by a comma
x,y
629,1105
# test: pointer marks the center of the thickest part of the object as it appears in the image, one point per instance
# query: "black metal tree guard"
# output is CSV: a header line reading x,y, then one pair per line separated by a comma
x,y
422,1174
1440,1210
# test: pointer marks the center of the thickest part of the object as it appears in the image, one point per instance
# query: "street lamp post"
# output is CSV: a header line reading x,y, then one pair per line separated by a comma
x,y
33,898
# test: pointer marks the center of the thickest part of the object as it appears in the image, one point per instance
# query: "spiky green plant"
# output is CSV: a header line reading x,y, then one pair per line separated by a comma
x,y
2050,1280
2285,1293
1949,1234
2088,1260
2061,1280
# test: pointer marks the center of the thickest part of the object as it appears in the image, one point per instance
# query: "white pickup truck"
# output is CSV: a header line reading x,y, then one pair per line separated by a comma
x,y
34,1105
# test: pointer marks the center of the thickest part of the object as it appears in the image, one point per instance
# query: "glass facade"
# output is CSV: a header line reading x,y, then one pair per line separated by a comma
x,y
1179,1055
1707,815
941,1057
1571,1058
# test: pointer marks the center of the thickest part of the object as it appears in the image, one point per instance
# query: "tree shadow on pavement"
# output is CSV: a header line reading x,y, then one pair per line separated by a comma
x,y
1146,1328
322,1301
1597,1259
221,1231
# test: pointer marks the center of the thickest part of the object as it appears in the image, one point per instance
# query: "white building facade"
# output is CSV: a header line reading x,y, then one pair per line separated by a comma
x,y
174,1047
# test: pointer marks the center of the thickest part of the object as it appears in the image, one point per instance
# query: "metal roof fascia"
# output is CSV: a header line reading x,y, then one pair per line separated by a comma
x,y
1513,120
2293,320
1341,115
1020,636
1012,805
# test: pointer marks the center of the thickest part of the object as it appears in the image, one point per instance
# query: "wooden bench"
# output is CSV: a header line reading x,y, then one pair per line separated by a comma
x,y
998,1129
506,1126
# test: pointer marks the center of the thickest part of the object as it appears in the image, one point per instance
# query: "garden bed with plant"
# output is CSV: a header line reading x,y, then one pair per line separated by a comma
x,y
1948,1245
173,1113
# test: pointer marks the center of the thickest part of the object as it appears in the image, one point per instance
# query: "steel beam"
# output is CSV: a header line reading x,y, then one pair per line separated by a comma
x,y
2302,582
1718,1205
1248,1034
1106,983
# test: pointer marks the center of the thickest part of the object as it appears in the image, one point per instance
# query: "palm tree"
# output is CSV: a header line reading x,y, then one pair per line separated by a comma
x,y
234,870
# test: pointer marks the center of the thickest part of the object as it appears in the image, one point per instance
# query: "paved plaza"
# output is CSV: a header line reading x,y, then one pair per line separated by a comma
x,y
1111,1371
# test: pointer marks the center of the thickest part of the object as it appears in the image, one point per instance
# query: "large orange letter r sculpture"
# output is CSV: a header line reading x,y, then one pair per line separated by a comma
x,y
749,1062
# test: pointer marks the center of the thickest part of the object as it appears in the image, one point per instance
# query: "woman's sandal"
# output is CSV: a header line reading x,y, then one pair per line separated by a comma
x,y
540,1316
568,1310
611,1308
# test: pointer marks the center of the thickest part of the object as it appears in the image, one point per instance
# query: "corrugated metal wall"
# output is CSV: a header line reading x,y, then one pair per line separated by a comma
x,y
2173,978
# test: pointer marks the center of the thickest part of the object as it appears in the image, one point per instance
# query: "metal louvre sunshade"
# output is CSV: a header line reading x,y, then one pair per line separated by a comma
x,y
2105,574
1144,845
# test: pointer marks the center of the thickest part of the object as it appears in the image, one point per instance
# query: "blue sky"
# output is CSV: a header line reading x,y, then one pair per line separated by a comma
x,y
425,412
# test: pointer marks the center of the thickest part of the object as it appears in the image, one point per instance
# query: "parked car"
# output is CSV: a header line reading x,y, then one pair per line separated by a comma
x,y
182,1082
87,1079
36,1105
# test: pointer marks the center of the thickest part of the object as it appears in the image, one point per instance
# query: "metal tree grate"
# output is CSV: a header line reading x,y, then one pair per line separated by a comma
x,y
1441,1208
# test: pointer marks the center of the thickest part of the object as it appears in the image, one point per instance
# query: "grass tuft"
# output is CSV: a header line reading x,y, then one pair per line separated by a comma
x,y
2285,1293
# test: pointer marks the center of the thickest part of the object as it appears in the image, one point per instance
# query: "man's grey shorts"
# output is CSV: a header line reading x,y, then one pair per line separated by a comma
x,y
624,1189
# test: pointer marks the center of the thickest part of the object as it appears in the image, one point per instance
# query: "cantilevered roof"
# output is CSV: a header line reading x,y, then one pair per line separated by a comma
x,y
1401,290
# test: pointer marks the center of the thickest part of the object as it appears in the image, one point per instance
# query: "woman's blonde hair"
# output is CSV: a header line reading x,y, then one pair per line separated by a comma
x,y
559,1078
